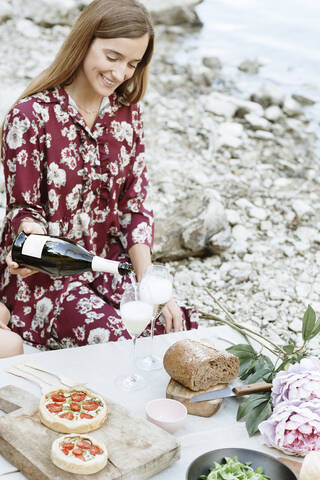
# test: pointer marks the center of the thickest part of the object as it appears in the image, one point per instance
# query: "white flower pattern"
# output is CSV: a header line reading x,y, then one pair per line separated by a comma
x,y
56,175
16,132
98,335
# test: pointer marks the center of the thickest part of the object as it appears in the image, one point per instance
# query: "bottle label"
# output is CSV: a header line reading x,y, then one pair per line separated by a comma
x,y
33,245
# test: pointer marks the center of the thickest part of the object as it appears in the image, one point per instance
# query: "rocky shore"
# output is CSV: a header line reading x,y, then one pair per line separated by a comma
x,y
236,184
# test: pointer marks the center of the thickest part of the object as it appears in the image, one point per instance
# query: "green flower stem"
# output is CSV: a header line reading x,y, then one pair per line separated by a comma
x,y
240,329
277,350
211,316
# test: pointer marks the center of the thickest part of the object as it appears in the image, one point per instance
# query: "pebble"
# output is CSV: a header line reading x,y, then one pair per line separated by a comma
x,y
273,113
291,107
250,66
270,314
259,213
256,122
212,62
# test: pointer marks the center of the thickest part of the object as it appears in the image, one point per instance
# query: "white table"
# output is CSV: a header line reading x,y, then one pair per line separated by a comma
x,y
100,364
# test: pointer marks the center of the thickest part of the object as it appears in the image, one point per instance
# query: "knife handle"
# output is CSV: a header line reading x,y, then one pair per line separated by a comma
x,y
252,388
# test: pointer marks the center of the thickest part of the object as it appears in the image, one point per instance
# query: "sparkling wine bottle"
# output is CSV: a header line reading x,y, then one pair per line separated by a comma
x,y
60,256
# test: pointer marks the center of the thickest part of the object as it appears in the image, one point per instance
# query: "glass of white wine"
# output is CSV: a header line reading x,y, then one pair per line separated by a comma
x,y
135,315
156,289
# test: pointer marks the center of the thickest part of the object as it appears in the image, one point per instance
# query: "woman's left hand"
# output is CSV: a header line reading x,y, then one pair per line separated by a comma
x,y
173,316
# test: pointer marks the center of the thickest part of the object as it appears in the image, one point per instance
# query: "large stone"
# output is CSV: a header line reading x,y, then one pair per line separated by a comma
x,y
212,62
197,226
230,134
229,106
303,99
269,94
273,113
64,12
250,66
28,28
219,106
291,107
256,122
47,12
173,12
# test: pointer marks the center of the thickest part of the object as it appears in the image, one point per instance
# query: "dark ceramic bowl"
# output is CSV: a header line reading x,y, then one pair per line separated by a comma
x,y
271,466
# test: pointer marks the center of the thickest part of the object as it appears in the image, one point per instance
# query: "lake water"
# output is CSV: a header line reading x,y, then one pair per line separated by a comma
x,y
283,34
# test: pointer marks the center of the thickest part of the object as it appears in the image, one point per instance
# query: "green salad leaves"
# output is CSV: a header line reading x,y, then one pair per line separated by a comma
x,y
232,469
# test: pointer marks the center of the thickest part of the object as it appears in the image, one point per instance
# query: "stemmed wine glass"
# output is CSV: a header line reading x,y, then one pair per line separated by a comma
x,y
156,289
135,315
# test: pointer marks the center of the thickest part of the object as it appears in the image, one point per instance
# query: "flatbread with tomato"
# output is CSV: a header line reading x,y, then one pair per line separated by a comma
x,y
79,454
72,410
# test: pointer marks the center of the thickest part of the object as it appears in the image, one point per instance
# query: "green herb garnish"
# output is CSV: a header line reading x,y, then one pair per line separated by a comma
x,y
232,469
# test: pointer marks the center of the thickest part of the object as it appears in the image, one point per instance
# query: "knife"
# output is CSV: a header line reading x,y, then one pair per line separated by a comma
x,y
232,392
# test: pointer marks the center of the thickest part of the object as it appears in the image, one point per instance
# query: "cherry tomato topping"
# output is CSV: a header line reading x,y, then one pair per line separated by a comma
x,y
78,396
67,445
58,397
84,444
75,407
77,451
90,405
65,451
86,415
67,415
95,450
54,407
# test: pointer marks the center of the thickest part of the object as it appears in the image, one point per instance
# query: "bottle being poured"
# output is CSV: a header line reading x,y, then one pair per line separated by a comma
x,y
60,256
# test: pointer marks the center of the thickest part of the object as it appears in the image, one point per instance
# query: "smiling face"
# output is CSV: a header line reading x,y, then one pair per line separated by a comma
x,y
109,62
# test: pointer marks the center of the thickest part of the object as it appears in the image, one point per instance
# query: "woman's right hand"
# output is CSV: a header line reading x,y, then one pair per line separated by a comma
x,y
28,226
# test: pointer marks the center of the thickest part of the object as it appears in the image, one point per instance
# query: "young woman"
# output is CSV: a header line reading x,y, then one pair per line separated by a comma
x,y
74,163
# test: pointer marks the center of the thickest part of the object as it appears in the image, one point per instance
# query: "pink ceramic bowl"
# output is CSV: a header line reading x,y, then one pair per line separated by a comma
x,y
166,413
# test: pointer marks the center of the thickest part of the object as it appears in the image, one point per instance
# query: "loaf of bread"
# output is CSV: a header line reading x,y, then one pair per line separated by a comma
x,y
198,365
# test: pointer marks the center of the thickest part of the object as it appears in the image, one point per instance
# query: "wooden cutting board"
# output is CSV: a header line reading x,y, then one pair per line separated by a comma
x,y
137,449
202,409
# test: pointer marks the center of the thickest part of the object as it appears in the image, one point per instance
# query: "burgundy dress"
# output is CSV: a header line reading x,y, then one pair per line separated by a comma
x,y
86,185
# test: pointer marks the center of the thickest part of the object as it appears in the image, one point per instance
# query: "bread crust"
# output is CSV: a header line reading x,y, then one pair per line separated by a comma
x,y
76,465
198,365
81,425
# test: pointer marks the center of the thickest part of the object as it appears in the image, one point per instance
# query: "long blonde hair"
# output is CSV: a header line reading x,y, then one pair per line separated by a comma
x,y
99,19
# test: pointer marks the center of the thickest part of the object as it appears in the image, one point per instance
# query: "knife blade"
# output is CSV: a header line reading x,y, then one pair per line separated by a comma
x,y
237,391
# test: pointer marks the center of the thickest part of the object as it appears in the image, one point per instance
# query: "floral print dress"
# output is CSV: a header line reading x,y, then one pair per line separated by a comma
x,y
86,185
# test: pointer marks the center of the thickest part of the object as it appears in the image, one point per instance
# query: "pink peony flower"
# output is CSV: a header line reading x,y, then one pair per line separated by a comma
x,y
300,382
293,427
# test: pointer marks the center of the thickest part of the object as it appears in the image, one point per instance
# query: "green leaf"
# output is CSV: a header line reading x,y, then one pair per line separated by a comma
x,y
246,368
288,349
257,415
259,375
242,350
316,330
242,347
247,357
267,361
308,323
247,405
263,370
